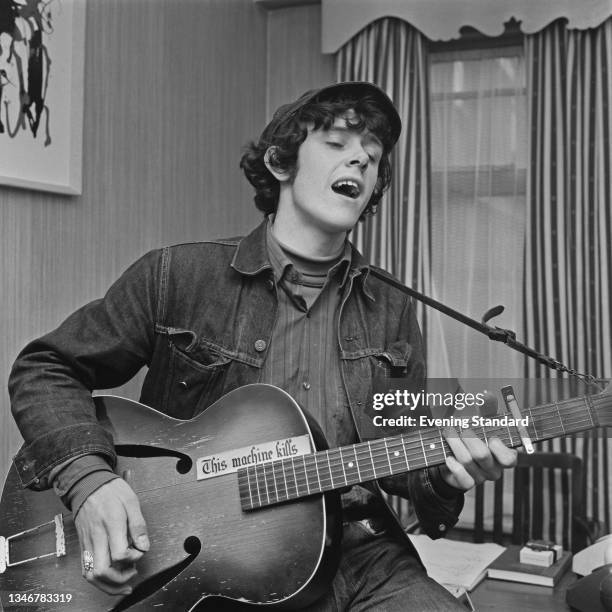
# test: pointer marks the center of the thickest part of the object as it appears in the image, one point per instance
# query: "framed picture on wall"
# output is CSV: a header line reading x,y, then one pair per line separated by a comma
x,y
41,94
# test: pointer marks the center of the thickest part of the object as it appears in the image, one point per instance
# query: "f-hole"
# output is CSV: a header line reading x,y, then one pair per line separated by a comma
x,y
183,465
151,585
192,545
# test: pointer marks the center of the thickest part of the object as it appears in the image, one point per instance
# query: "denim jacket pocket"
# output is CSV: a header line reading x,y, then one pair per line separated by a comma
x,y
194,376
392,361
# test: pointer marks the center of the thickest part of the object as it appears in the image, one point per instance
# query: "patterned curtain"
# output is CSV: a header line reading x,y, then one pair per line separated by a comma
x,y
568,275
392,54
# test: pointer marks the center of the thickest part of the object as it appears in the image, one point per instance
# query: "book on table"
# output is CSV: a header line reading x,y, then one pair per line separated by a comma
x,y
508,567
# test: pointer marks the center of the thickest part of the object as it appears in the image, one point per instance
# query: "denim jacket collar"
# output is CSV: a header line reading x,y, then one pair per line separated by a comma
x,y
361,268
251,258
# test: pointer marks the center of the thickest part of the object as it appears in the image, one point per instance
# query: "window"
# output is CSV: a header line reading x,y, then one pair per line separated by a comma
x,y
478,186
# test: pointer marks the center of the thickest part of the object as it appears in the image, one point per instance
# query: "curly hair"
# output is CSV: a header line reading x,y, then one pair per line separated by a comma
x,y
285,137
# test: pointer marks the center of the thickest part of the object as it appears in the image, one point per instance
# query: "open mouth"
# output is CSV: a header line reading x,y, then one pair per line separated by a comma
x,y
347,187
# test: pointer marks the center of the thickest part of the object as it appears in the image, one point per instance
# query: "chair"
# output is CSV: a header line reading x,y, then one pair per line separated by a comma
x,y
539,510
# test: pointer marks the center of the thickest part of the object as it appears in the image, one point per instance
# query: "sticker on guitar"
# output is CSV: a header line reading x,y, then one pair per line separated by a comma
x,y
231,461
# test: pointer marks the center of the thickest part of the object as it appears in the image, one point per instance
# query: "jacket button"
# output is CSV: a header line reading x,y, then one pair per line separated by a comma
x,y
270,284
183,384
260,345
442,527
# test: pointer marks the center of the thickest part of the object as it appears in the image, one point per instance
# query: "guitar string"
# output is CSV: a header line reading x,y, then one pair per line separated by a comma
x,y
383,457
428,438
551,411
327,481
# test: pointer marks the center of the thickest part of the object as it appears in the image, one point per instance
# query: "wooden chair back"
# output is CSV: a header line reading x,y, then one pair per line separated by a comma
x,y
538,511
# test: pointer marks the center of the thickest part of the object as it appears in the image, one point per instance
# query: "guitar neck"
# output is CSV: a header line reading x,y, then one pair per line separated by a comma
x,y
296,477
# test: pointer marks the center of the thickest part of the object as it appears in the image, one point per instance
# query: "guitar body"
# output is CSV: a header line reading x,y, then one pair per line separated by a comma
x,y
203,544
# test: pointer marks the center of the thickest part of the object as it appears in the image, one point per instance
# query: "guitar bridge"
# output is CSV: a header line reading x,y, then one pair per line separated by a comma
x,y
60,544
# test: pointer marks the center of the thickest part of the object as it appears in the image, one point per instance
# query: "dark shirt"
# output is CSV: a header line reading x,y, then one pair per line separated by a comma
x,y
303,357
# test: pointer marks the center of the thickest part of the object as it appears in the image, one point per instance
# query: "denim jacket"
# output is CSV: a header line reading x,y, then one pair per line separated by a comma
x,y
200,316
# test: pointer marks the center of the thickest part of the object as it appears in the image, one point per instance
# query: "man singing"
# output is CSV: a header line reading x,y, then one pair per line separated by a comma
x,y
292,304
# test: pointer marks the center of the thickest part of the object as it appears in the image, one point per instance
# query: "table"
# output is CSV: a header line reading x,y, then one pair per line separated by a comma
x,y
506,596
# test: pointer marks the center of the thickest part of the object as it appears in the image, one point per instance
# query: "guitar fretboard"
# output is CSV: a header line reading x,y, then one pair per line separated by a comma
x,y
295,477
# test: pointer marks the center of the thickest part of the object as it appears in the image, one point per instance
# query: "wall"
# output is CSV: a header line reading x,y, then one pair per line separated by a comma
x,y
172,92
295,61
173,89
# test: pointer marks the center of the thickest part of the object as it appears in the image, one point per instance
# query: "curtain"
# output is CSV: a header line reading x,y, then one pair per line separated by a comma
x,y
443,19
479,158
568,257
567,275
392,54
479,164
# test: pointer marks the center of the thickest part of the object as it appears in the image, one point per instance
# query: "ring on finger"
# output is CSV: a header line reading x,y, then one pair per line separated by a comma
x,y
88,561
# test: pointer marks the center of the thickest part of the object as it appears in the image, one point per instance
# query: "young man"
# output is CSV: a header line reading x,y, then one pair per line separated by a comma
x,y
292,304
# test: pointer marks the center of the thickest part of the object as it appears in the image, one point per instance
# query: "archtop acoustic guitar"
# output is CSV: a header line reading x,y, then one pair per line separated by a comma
x,y
241,502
